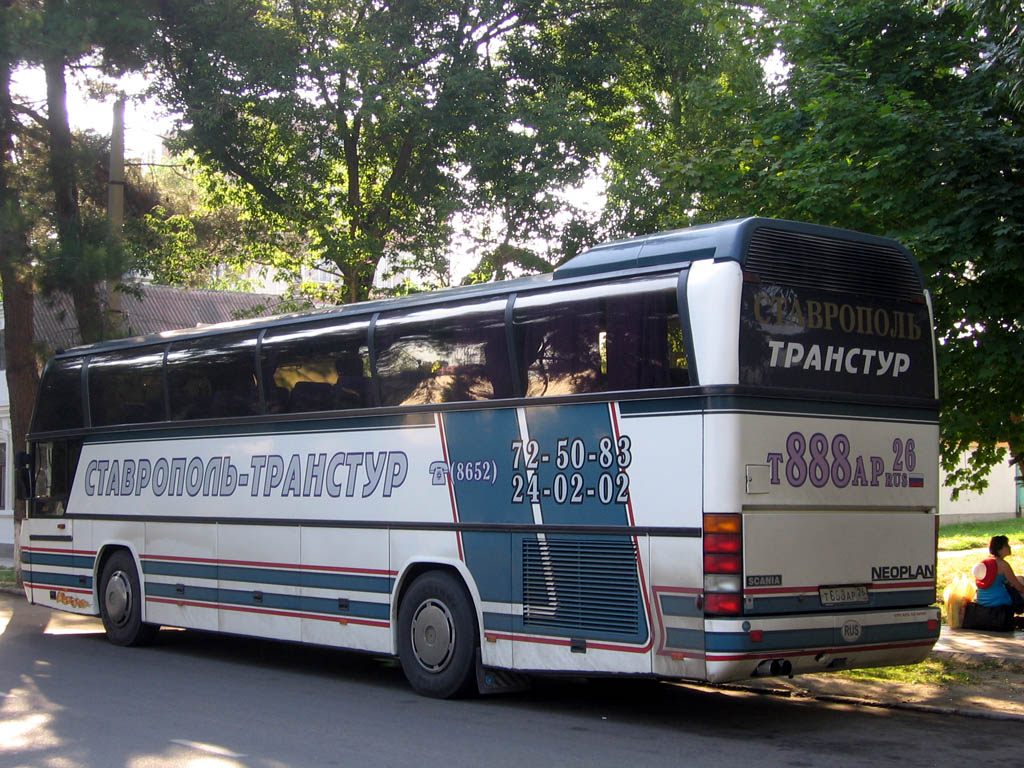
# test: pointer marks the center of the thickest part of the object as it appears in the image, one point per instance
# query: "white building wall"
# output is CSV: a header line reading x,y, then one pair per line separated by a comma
x,y
998,502
7,505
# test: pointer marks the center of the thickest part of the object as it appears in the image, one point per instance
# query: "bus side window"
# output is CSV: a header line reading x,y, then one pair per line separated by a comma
x,y
444,354
55,465
127,387
59,404
618,336
317,366
645,348
560,336
213,377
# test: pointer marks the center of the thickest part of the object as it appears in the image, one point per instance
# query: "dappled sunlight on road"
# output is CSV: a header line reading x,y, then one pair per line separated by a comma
x,y
72,624
195,754
26,717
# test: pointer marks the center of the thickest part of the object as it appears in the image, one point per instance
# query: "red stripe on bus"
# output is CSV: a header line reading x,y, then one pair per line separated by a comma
x,y
269,612
58,551
814,651
814,590
255,564
55,588
563,641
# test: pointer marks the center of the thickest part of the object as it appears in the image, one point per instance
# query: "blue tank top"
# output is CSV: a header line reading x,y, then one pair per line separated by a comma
x,y
997,594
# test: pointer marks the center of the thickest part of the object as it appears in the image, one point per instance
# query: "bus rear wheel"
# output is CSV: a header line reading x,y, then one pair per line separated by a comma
x,y
437,636
121,602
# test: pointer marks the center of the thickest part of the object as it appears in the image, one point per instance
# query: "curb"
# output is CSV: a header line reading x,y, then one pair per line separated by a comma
x,y
978,714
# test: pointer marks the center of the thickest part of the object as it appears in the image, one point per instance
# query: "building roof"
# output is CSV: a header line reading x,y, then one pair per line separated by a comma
x,y
160,308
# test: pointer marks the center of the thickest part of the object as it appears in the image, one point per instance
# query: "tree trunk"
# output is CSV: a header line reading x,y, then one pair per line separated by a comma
x,y
86,299
15,278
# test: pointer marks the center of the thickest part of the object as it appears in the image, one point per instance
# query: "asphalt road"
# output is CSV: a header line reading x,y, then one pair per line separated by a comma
x,y
68,698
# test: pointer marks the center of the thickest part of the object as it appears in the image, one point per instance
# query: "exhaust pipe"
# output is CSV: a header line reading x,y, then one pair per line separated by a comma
x,y
774,668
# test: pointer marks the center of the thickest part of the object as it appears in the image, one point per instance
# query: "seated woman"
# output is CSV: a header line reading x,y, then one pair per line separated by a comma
x,y
997,583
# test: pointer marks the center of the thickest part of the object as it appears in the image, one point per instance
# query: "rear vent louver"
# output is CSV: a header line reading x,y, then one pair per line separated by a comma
x,y
581,586
802,260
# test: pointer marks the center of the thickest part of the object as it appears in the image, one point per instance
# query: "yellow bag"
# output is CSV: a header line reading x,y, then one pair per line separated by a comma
x,y
961,590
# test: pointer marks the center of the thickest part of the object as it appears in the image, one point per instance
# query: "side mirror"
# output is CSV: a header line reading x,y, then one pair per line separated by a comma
x,y
23,475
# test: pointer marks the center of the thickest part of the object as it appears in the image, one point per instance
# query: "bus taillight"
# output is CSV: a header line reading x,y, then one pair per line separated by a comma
x,y
723,564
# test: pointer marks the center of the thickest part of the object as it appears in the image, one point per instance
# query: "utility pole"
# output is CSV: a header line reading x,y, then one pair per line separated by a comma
x,y
115,206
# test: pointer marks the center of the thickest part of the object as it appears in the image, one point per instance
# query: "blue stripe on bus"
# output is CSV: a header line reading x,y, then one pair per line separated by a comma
x,y
679,605
284,577
47,579
358,609
820,637
809,603
589,422
65,561
486,437
498,622
684,639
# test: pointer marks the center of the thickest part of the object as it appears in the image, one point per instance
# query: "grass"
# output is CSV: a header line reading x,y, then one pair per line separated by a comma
x,y
6,576
928,672
976,535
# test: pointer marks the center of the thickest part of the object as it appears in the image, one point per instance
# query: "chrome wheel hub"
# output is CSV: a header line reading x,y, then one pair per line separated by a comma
x,y
433,635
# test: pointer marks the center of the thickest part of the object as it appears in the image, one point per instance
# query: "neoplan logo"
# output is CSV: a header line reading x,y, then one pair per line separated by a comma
x,y
902,572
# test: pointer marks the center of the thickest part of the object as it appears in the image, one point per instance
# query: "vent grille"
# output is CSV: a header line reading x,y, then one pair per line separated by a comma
x,y
582,585
800,260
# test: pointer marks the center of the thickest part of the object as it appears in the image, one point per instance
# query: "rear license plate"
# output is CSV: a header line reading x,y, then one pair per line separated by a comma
x,y
848,595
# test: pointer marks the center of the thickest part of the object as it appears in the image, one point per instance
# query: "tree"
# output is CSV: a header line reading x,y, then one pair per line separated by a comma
x,y
887,123
1002,34
15,269
365,126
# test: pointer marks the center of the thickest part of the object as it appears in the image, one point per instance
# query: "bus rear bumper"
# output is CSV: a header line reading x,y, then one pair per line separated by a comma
x,y
741,648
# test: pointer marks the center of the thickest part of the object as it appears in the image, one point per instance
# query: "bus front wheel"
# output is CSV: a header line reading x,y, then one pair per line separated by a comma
x,y
437,636
121,602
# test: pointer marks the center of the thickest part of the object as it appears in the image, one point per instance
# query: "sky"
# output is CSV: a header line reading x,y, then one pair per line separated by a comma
x,y
144,124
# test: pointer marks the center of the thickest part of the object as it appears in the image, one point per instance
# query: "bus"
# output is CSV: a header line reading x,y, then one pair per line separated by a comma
x,y
708,454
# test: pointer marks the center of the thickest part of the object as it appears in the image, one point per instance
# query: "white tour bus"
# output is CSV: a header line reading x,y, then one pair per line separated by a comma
x,y
708,454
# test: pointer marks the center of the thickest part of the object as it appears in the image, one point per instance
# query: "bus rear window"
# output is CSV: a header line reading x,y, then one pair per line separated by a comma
x,y
803,338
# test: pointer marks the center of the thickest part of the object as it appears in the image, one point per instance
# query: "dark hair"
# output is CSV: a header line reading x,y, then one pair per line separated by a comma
x,y
997,543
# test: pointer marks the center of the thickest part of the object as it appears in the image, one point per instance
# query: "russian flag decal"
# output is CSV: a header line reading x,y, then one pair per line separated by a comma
x,y
916,482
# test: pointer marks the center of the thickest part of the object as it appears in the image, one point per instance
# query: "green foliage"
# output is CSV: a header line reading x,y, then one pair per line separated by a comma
x,y
886,123
367,126
1001,27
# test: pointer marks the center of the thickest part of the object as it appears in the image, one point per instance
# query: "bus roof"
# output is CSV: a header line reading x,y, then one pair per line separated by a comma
x,y
723,241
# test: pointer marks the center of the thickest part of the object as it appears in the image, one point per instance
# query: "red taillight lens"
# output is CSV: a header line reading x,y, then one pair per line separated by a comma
x,y
723,564
723,542
730,604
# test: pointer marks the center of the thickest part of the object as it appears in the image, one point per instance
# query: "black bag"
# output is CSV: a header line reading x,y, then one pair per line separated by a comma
x,y
995,618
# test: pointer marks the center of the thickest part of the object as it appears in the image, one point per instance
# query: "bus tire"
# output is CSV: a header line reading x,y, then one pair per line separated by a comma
x,y
437,636
121,602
